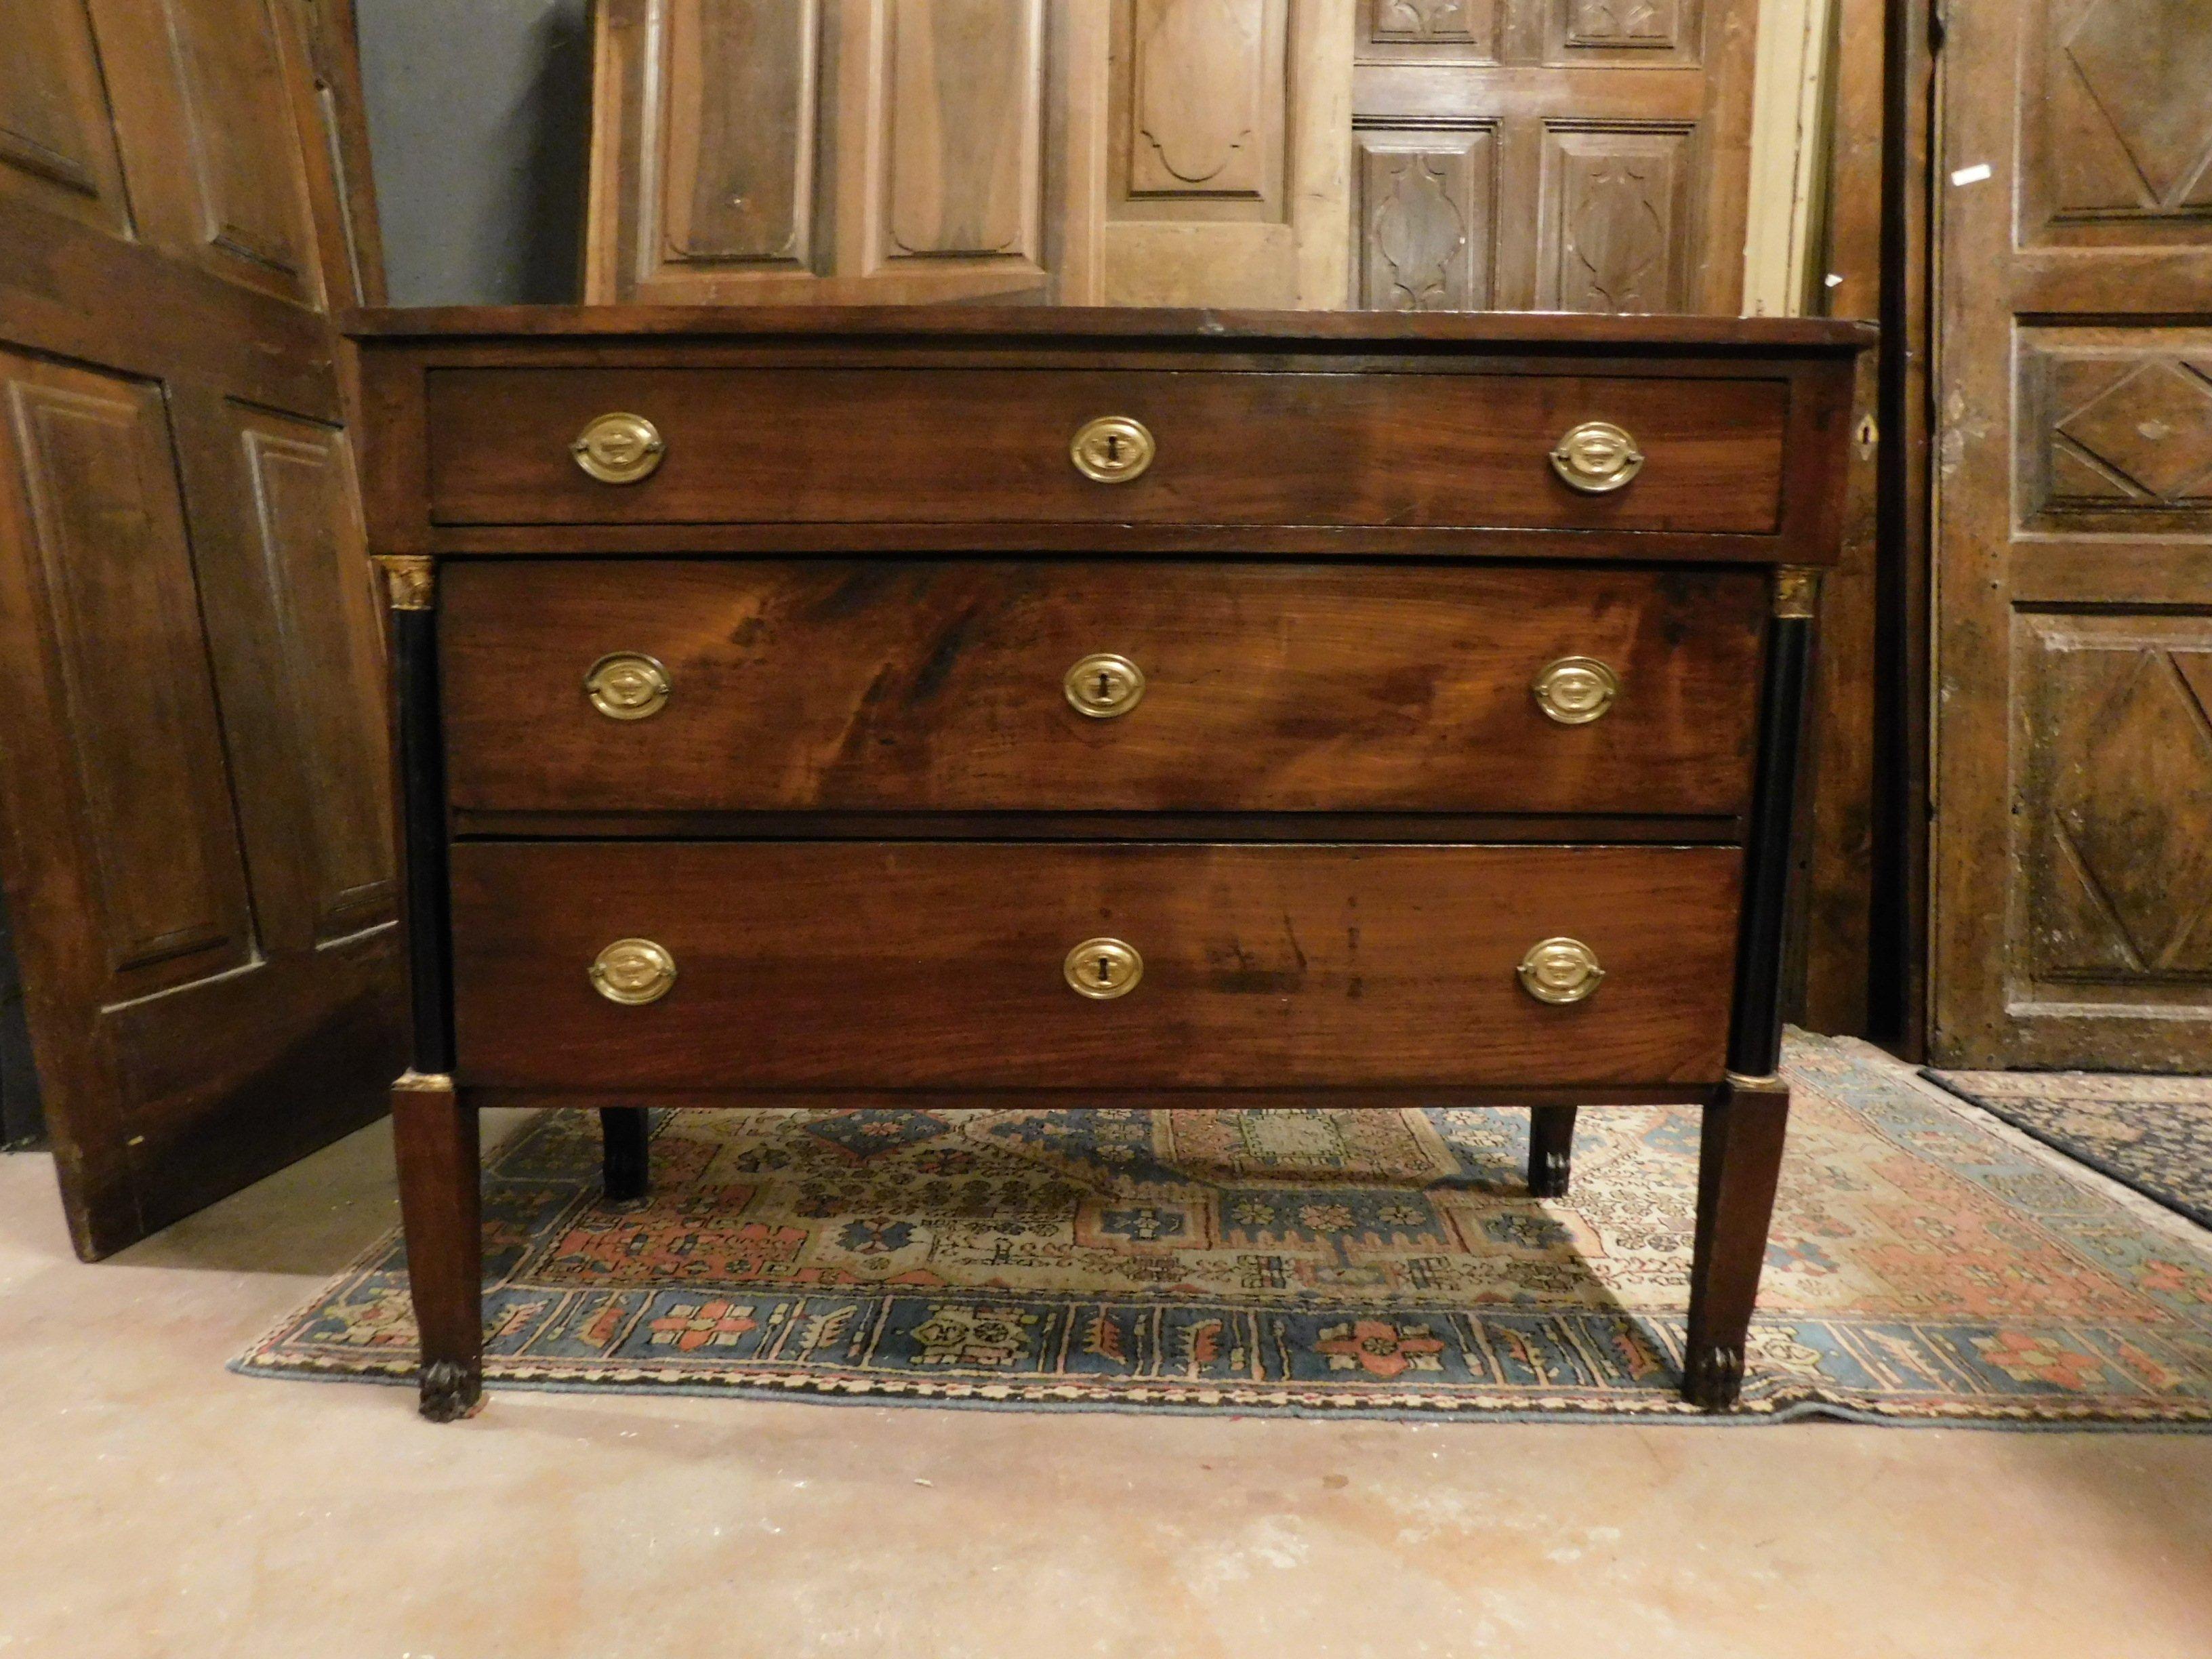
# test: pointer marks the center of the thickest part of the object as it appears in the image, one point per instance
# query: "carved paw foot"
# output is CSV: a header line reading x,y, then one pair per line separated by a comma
x,y
1713,1377
450,1391
1549,1171
626,1190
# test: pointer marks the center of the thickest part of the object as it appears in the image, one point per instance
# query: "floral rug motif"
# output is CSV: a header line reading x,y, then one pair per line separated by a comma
x,y
2153,1133
1925,1265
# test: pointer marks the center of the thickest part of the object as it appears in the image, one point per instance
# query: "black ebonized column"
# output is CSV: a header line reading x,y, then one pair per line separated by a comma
x,y
421,762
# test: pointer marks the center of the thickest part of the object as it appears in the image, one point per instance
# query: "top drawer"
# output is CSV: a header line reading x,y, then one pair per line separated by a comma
x,y
967,446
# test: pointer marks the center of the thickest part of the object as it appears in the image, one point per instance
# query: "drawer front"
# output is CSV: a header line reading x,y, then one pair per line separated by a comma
x,y
921,964
953,446
799,686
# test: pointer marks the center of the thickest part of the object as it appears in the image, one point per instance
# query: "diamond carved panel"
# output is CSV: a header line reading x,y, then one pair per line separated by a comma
x,y
2125,437
2125,113
2117,801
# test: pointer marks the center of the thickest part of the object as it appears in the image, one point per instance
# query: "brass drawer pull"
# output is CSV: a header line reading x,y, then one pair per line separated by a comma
x,y
627,685
633,972
619,449
1560,970
1597,456
1104,968
1104,685
1112,449
1575,690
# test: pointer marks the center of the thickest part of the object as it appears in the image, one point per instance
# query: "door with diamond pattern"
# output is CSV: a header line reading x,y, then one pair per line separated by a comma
x,y
2072,862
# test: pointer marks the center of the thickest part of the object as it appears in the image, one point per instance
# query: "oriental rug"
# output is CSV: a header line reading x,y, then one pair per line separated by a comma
x,y
1927,1265
2154,1134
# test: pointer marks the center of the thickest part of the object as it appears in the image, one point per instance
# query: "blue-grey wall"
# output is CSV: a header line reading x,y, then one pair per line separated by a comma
x,y
479,115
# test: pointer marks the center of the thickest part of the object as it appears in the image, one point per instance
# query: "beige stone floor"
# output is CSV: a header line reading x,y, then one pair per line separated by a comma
x,y
151,1503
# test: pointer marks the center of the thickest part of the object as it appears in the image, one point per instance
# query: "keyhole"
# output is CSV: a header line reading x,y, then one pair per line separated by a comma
x,y
1105,687
1114,449
1105,970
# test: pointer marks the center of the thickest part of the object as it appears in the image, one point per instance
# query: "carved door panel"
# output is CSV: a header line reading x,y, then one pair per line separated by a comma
x,y
201,92
796,151
57,149
2072,861
1551,154
192,820
896,151
1225,163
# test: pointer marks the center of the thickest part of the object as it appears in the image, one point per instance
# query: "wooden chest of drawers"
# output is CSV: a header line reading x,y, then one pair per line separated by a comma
x,y
1126,708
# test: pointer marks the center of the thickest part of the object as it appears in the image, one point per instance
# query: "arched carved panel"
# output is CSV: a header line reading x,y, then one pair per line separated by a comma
x,y
1615,218
1201,104
1424,202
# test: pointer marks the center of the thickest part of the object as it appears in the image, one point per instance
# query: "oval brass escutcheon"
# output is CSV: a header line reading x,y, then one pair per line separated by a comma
x,y
1595,457
619,449
1104,685
633,972
1104,968
1560,970
627,685
1575,690
1112,449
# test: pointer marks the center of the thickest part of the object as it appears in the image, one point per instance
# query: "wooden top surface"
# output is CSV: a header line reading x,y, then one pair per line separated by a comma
x,y
1379,328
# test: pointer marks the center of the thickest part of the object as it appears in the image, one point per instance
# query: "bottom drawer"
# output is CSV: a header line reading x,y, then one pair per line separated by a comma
x,y
932,964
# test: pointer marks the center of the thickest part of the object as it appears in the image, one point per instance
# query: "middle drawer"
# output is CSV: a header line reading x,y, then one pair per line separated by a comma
x,y
737,685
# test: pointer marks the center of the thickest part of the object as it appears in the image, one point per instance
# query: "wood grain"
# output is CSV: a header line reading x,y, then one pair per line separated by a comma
x,y
1191,329
836,445
925,686
1265,967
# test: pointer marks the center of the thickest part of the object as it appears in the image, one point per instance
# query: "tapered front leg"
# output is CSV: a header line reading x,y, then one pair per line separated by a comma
x,y
1739,1162
441,1202
1550,1150
625,1153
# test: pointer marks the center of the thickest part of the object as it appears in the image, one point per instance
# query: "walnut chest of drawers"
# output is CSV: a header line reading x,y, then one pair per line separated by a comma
x,y
1125,707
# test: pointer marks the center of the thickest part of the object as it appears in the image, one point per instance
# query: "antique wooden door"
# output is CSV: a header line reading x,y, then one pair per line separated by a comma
x,y
192,773
2072,864
1129,152
1551,155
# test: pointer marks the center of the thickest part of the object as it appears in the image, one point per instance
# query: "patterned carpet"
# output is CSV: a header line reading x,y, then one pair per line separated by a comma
x,y
1926,1266
2155,1133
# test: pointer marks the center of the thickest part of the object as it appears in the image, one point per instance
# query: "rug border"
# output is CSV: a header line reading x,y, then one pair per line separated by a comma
x,y
1165,1396
1664,1413
2104,1167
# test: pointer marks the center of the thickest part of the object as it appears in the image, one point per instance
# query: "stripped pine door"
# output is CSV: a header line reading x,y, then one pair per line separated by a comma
x,y
193,774
1164,152
1587,156
2072,858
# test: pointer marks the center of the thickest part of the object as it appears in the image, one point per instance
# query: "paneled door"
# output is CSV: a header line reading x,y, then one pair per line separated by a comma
x,y
1551,155
1163,152
192,769
2072,863
820,151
